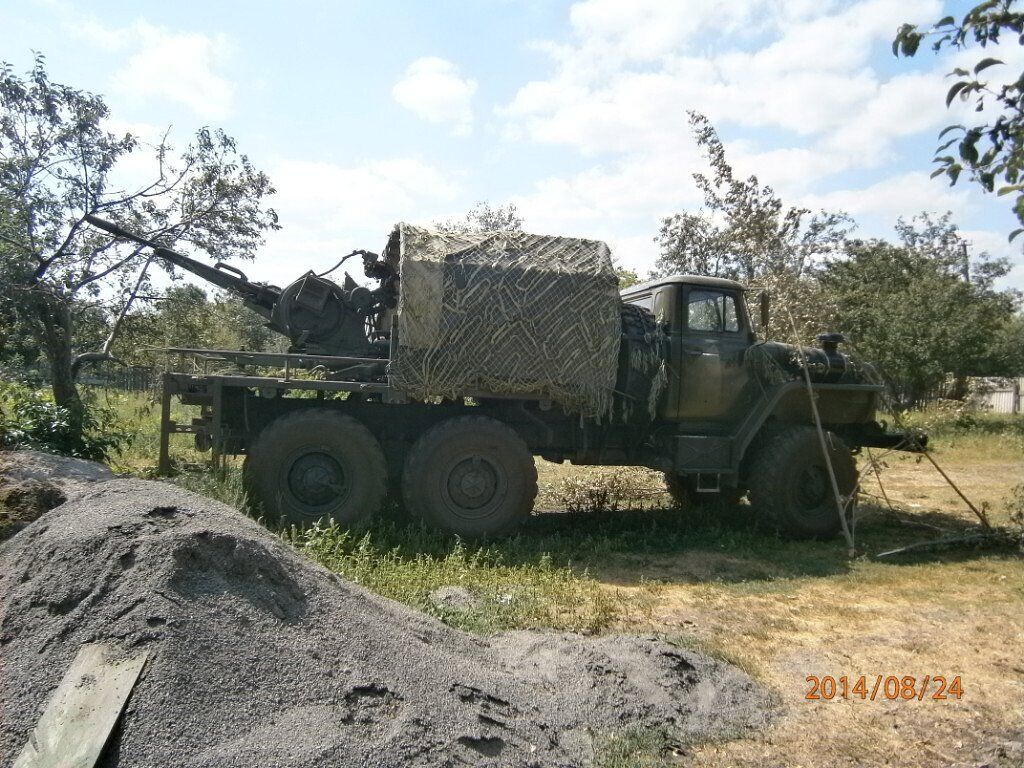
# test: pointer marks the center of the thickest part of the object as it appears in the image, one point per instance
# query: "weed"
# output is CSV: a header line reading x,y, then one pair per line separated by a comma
x,y
221,483
635,749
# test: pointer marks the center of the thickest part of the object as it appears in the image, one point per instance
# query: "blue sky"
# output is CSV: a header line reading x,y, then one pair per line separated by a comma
x,y
368,113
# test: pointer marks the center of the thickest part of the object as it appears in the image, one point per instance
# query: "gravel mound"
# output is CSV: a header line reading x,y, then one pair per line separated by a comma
x,y
72,474
260,657
33,482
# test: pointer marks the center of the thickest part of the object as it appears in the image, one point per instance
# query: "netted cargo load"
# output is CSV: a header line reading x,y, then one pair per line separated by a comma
x,y
508,313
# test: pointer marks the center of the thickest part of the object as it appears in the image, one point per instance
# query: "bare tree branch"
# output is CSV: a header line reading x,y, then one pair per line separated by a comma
x,y
112,268
104,353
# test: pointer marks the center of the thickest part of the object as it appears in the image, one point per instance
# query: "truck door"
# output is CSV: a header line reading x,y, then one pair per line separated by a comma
x,y
712,342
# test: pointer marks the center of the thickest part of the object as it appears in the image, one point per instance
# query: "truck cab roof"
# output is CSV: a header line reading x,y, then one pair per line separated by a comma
x,y
704,280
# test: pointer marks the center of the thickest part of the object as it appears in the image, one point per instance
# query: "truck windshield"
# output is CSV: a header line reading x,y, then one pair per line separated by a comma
x,y
712,312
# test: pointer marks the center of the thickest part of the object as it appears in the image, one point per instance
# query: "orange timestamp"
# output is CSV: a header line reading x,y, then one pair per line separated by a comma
x,y
884,687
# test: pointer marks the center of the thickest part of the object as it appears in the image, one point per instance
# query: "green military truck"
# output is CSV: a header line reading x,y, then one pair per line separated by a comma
x,y
476,353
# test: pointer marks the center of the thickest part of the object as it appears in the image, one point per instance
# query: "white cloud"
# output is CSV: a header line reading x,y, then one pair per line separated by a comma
x,y
328,210
432,89
177,66
350,196
803,73
634,68
906,195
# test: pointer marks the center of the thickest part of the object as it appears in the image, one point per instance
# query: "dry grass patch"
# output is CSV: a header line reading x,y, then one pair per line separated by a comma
x,y
954,612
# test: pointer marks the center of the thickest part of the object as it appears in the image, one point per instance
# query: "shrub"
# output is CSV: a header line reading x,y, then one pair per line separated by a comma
x,y
590,493
30,419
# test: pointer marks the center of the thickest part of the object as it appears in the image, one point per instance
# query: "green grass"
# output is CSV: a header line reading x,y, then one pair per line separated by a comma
x,y
982,436
514,589
635,749
139,414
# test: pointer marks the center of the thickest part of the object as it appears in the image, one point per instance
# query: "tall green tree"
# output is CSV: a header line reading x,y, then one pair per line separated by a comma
x,y
57,163
923,308
992,150
744,231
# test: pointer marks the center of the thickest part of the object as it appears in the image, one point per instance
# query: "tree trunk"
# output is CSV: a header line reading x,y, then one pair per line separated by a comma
x,y
55,316
961,388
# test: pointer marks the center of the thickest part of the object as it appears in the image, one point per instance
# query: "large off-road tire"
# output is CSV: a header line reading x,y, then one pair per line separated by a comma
x,y
683,490
472,476
316,465
790,488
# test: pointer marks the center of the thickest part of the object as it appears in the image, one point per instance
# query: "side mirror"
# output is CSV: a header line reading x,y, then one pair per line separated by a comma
x,y
765,314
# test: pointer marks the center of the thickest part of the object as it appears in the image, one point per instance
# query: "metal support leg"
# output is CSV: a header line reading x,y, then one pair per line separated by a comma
x,y
163,466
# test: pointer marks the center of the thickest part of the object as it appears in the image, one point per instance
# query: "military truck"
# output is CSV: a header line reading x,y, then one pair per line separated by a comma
x,y
355,411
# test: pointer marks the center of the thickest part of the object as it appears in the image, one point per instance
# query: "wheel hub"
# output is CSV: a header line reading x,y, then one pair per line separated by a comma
x,y
812,487
472,483
316,479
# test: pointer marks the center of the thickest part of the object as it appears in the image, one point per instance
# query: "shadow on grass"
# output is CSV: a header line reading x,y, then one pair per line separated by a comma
x,y
711,543
697,545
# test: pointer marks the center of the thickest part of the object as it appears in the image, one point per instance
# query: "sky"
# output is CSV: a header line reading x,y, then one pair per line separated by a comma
x,y
366,113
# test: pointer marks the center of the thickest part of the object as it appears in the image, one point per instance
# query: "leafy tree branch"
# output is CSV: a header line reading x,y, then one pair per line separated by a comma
x,y
990,151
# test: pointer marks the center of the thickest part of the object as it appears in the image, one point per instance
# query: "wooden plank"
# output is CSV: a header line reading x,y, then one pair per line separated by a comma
x,y
83,710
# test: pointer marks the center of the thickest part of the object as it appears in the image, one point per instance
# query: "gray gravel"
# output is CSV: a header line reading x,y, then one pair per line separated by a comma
x,y
260,657
73,475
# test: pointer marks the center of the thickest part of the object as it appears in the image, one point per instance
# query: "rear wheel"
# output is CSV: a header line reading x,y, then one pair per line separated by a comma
x,y
316,465
790,487
472,476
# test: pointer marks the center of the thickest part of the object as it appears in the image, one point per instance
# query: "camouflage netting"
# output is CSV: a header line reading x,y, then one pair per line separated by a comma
x,y
506,313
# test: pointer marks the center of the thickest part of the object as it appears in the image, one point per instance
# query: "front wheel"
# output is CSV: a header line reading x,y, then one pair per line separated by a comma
x,y
316,465
790,487
472,476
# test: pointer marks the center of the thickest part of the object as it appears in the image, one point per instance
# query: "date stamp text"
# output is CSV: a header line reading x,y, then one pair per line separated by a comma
x,y
884,688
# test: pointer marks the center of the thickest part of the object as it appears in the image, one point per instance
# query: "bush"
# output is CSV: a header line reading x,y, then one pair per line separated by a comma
x,y
590,493
30,419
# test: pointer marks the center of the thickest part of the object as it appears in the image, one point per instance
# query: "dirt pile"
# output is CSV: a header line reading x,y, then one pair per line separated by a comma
x,y
260,657
32,482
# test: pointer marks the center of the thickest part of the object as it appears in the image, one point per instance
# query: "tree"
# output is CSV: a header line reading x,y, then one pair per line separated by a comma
x,y
186,317
627,277
505,218
990,151
56,165
1007,349
745,232
922,309
940,240
483,218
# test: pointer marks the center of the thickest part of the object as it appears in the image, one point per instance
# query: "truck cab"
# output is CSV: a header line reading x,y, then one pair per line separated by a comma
x,y
739,415
709,330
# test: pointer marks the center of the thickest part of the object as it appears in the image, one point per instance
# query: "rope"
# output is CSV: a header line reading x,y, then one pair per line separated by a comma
x,y
840,502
